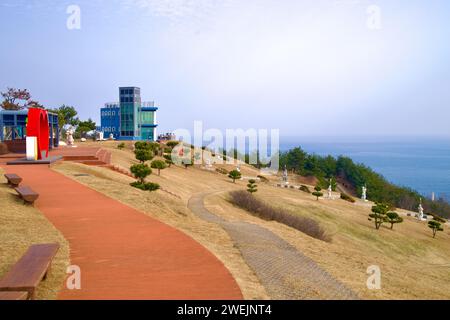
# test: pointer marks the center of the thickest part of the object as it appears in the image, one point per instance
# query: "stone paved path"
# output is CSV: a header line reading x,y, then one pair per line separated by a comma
x,y
285,272
122,253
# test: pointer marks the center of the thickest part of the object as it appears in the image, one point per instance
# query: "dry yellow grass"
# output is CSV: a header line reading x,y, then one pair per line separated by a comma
x,y
413,264
21,226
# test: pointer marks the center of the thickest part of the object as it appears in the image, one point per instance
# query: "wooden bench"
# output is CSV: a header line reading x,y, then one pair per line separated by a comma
x,y
13,179
30,270
27,194
5,296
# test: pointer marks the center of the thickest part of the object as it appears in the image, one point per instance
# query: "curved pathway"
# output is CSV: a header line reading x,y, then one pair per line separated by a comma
x,y
285,272
122,253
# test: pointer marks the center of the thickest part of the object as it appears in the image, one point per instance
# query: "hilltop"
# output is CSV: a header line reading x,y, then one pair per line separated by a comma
x,y
413,264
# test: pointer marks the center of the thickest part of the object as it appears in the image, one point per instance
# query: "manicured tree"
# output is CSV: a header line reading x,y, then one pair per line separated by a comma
x,y
251,186
140,145
141,171
159,164
234,175
143,154
121,146
378,214
168,158
172,144
435,226
154,147
393,218
318,192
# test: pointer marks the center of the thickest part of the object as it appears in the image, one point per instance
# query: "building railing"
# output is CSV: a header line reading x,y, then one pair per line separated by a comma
x,y
112,105
148,104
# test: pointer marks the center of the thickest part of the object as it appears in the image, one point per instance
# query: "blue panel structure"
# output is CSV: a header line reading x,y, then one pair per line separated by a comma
x,y
110,120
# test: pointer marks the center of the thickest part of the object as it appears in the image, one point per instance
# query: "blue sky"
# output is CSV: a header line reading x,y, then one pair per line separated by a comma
x,y
304,67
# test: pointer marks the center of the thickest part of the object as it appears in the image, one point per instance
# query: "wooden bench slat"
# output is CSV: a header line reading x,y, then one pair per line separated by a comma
x,y
29,271
13,179
13,295
27,194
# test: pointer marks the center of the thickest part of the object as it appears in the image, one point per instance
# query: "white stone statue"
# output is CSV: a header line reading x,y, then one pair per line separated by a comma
x,y
209,165
238,168
330,191
69,137
364,194
420,215
111,136
285,176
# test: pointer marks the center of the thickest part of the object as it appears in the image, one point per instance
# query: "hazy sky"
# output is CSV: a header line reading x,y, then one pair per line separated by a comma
x,y
305,67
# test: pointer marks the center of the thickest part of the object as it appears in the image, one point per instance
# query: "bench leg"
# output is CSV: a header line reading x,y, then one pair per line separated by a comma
x,y
32,294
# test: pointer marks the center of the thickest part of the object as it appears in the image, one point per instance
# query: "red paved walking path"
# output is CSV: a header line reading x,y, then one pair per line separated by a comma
x,y
122,253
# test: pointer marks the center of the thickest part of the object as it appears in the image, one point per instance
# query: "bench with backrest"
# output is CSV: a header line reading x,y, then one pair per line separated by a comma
x,y
13,179
30,270
20,295
27,194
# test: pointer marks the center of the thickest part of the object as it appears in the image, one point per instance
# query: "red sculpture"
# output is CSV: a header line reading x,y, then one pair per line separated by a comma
x,y
37,126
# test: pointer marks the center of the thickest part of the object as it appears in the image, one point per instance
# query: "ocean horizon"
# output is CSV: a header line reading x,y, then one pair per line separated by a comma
x,y
422,164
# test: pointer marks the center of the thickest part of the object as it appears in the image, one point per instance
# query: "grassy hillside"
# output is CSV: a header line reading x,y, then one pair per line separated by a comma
x,y
413,264
23,225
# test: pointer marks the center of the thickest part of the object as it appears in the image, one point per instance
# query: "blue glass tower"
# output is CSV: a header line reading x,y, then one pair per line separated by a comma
x,y
130,119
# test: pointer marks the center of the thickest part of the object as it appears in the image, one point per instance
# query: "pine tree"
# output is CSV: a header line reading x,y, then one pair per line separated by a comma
x,y
379,214
251,186
435,226
393,218
318,192
234,175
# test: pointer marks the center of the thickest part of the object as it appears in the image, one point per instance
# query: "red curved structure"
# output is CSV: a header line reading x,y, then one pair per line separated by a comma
x,y
37,126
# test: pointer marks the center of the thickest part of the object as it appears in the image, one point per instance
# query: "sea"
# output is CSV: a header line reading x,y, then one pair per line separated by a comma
x,y
420,163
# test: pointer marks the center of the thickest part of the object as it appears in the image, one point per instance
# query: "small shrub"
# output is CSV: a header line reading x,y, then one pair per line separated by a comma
x,y
121,146
348,198
305,189
222,170
262,210
148,186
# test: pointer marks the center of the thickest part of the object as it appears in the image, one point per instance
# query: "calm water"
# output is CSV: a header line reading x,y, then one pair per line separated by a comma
x,y
422,164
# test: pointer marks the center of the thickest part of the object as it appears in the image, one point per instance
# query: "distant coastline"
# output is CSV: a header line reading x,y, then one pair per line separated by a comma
x,y
422,164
